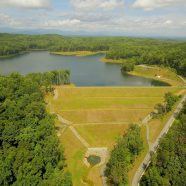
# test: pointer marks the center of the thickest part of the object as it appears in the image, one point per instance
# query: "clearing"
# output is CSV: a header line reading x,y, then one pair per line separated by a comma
x,y
100,115
79,53
158,73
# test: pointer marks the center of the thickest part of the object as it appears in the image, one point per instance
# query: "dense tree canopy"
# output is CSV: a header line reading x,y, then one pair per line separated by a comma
x,y
30,153
122,156
47,79
153,52
168,167
169,101
127,67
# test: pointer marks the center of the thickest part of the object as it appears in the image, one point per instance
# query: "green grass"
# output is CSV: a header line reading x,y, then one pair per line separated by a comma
x,y
166,75
105,116
103,105
116,61
107,92
101,115
74,153
108,103
102,135
78,53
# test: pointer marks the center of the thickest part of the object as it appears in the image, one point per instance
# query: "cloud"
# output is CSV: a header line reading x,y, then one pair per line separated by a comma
x,y
33,4
61,23
94,4
168,22
102,22
152,4
6,20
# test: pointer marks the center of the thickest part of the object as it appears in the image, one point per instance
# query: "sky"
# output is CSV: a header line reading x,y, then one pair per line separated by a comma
x,y
166,18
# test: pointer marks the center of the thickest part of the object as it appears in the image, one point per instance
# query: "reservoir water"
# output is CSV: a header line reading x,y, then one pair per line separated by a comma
x,y
85,71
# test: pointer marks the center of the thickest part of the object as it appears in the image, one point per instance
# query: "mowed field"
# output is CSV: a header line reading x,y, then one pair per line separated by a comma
x,y
100,115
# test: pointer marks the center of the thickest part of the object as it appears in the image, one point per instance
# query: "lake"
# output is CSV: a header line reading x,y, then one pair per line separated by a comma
x,y
85,71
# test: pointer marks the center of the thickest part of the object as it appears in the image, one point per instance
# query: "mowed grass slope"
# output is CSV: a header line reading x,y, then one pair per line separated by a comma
x,y
74,154
104,105
165,74
100,115
101,135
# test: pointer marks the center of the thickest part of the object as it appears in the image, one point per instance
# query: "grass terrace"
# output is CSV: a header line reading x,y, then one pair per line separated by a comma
x,y
100,115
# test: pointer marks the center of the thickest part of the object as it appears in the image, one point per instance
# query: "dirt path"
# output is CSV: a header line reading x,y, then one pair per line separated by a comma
x,y
81,139
146,66
146,119
64,121
56,94
69,124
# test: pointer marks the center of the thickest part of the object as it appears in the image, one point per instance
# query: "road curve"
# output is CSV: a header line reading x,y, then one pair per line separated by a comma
x,y
154,146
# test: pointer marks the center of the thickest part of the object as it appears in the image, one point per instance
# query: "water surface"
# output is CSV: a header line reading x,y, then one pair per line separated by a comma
x,y
85,71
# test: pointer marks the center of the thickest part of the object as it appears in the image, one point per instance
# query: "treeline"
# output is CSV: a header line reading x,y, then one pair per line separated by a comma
x,y
47,79
168,167
127,67
30,153
123,155
12,44
169,54
142,51
169,101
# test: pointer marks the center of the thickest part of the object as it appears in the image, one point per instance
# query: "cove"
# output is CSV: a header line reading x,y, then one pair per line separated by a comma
x,y
85,71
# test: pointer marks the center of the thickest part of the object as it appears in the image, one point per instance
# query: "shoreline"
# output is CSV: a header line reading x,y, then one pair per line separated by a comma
x,y
14,55
78,53
166,76
157,73
22,53
112,61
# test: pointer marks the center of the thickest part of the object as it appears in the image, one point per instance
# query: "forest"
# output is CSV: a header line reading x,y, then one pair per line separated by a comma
x,y
169,53
168,164
128,147
30,153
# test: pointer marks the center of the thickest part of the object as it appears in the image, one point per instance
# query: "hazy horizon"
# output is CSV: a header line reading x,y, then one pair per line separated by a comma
x,y
138,18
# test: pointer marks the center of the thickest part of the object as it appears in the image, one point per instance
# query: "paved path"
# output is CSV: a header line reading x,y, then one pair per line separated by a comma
x,y
154,146
182,79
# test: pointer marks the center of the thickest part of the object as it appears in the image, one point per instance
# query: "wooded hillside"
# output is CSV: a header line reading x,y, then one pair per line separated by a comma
x,y
168,165
30,153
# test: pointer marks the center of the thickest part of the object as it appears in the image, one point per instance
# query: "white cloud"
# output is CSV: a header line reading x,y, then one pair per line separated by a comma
x,y
168,22
105,22
25,3
60,23
93,4
6,20
152,4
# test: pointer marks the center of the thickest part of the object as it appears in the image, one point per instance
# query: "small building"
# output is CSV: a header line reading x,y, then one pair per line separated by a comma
x,y
158,76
